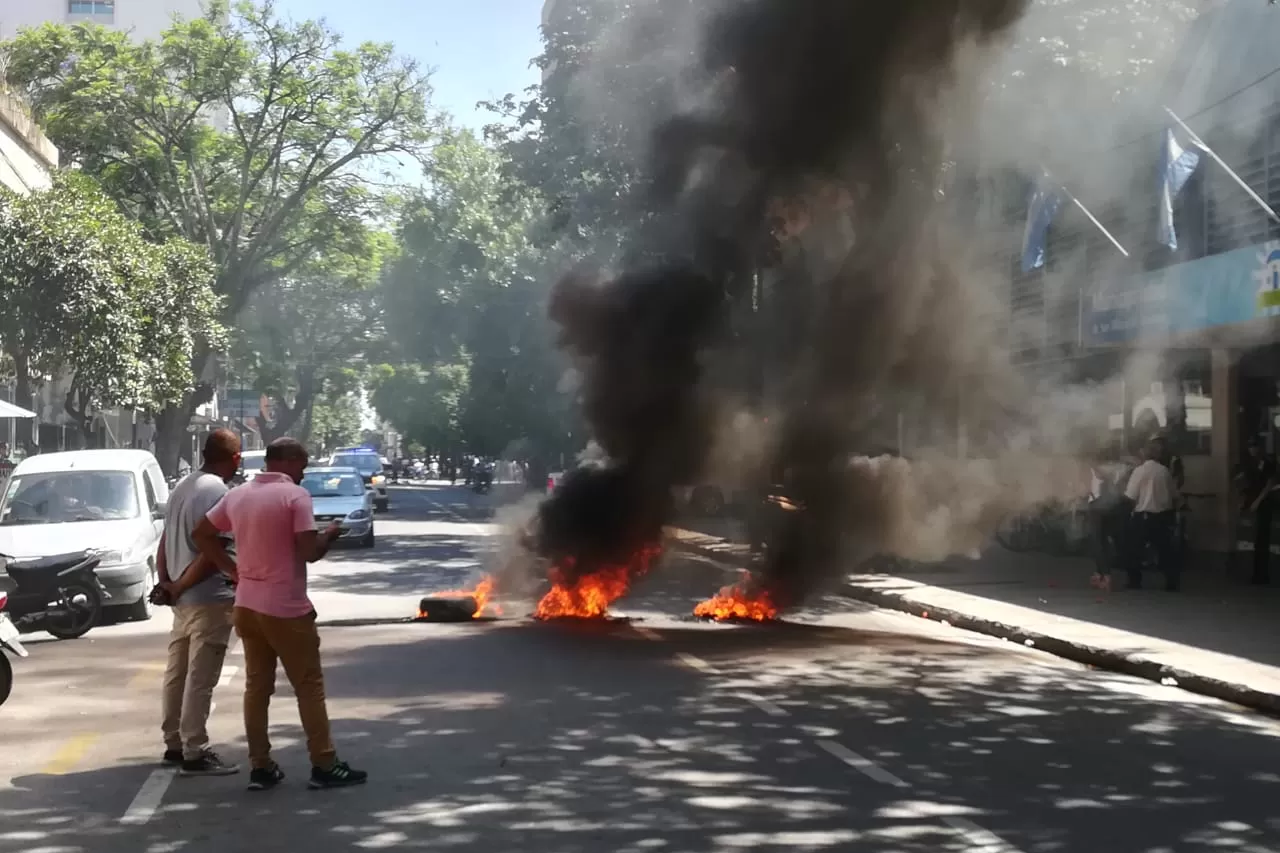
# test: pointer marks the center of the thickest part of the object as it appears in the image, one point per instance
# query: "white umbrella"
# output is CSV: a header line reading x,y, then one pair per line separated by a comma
x,y
9,410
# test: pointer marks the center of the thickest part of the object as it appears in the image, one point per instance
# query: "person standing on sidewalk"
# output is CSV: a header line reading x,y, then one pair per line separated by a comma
x,y
1154,495
1257,479
1109,512
272,522
202,597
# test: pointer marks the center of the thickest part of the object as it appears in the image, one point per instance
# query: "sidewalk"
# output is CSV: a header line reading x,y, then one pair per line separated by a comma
x,y
1218,637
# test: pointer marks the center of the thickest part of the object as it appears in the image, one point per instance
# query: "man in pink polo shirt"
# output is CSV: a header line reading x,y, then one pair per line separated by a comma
x,y
271,520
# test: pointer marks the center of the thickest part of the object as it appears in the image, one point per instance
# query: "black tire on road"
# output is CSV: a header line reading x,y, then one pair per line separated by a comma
x,y
367,541
92,615
6,677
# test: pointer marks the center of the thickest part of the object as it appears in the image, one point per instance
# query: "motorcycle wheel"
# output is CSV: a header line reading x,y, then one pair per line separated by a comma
x,y
6,677
80,621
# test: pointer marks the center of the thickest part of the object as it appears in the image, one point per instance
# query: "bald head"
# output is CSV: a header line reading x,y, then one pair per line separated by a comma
x,y
222,453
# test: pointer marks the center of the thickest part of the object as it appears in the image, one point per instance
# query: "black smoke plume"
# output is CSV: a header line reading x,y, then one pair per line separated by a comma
x,y
800,93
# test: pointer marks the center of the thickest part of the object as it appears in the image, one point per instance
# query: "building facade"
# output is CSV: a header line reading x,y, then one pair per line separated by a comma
x,y
1207,312
142,18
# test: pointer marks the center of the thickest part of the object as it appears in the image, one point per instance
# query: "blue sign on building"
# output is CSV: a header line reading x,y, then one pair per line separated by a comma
x,y
1220,290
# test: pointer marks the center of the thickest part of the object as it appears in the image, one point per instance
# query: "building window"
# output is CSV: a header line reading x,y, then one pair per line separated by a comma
x,y
96,8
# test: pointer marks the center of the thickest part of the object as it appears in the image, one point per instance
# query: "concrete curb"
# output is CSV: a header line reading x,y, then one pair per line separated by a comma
x,y
1139,666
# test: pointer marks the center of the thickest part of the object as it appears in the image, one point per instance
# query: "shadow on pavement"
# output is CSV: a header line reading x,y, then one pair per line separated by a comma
x,y
587,738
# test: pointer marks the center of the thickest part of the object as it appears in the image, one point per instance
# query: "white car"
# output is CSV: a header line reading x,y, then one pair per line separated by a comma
x,y
251,462
111,501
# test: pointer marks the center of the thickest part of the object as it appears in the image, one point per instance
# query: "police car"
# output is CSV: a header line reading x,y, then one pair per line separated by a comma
x,y
367,461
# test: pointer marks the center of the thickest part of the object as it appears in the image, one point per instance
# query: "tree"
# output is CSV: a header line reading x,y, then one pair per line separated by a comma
x,y
333,422
303,337
85,294
168,289
581,137
467,293
423,404
258,139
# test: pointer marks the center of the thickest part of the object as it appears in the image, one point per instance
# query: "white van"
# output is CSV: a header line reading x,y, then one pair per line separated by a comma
x,y
111,501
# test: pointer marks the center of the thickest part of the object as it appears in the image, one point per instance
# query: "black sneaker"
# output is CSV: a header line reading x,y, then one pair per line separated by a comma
x,y
172,757
263,778
208,764
340,775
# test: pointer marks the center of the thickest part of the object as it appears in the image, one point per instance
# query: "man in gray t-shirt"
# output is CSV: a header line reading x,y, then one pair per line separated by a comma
x,y
203,599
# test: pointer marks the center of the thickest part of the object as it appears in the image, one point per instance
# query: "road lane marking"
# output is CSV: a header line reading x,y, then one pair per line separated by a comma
x,y
979,840
648,633
764,705
149,797
70,754
865,766
695,663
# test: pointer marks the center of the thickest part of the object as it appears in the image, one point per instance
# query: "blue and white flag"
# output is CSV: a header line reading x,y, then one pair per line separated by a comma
x,y
1046,198
1176,168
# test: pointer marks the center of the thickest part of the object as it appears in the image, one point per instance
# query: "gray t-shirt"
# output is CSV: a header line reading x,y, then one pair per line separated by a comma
x,y
189,502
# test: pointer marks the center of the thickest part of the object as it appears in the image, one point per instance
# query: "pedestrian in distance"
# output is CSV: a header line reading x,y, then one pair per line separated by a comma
x,y
1154,494
200,591
1256,478
272,522
1109,512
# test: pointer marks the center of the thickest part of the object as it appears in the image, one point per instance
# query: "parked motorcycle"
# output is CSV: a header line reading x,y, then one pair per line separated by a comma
x,y
60,594
8,643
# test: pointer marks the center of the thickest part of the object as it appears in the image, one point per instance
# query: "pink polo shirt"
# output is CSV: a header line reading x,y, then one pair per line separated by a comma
x,y
263,516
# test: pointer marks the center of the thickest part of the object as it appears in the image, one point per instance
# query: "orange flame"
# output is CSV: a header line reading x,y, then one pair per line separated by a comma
x,y
589,596
738,602
482,592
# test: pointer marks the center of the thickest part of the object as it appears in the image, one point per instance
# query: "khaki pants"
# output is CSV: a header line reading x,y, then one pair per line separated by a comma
x,y
295,643
197,648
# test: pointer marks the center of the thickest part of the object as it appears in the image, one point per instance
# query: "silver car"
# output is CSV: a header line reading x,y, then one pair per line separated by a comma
x,y
339,494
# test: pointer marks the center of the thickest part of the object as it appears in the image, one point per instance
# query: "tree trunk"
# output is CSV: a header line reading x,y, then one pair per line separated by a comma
x,y
287,417
78,410
172,422
308,423
171,433
22,397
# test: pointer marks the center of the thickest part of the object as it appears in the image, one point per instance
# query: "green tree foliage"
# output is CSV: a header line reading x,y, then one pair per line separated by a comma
x,y
423,404
308,336
86,295
334,421
466,298
580,139
258,139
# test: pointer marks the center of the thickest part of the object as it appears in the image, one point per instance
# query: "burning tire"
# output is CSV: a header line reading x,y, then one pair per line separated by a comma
x,y
448,609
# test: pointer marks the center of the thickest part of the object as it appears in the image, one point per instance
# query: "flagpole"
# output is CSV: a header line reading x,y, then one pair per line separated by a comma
x,y
1096,223
1199,143
1088,215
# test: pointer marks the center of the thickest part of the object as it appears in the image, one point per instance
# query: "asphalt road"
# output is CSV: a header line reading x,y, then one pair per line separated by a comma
x,y
848,728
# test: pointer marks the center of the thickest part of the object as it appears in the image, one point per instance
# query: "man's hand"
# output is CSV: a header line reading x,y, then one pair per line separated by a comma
x,y
332,532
